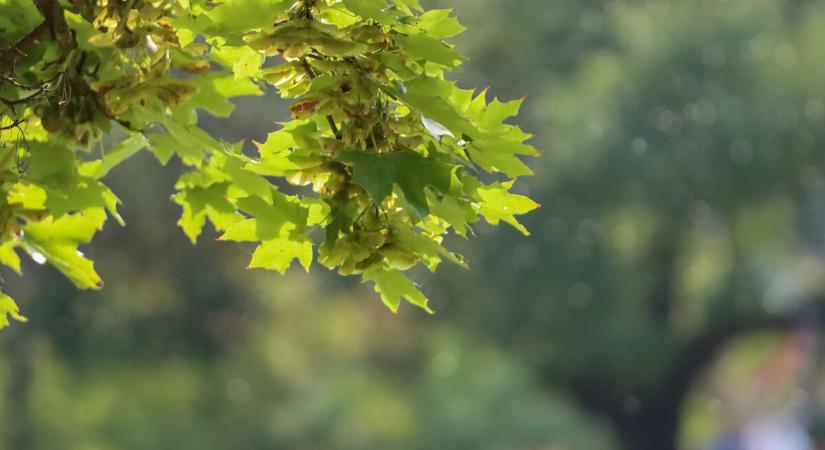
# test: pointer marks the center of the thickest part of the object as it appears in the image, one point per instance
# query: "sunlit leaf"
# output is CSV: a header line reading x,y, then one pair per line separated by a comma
x,y
8,308
394,287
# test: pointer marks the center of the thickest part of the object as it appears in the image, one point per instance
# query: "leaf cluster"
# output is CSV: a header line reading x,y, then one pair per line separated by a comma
x,y
391,154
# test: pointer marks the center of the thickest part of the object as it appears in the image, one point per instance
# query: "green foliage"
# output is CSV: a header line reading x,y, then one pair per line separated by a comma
x,y
377,173
389,153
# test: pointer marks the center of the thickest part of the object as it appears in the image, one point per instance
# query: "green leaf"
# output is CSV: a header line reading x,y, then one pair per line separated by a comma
x,y
500,156
412,172
68,260
393,286
50,163
497,204
216,90
29,196
278,254
403,5
455,213
56,241
285,152
438,24
245,230
189,142
116,155
72,228
8,308
162,146
239,16
423,47
244,61
372,9
495,113
191,221
428,95
283,216
9,257
198,203
426,247
248,181
82,195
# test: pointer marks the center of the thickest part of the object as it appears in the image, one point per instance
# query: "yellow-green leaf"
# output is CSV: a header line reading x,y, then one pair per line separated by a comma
x,y
393,286
8,308
278,254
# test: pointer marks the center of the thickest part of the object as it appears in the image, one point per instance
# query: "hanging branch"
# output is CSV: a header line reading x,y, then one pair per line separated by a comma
x,y
382,211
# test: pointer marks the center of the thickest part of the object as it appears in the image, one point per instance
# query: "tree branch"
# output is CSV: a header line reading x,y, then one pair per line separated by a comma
x,y
14,124
53,27
22,47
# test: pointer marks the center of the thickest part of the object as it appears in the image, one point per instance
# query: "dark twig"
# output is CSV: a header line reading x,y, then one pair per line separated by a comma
x,y
53,27
330,119
12,103
14,124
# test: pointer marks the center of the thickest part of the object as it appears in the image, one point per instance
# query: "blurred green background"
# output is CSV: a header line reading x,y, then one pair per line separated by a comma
x,y
671,295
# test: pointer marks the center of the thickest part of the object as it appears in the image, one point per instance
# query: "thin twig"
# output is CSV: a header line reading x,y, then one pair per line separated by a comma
x,y
330,119
12,103
14,124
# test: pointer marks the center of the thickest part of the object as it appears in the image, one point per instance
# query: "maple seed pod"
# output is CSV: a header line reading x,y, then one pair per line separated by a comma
x,y
398,257
368,263
372,239
129,40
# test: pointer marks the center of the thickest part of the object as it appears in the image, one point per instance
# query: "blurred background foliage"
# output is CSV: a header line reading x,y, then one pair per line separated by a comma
x,y
671,294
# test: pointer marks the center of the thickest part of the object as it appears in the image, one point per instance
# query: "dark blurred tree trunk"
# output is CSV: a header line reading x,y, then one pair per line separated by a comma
x,y
652,423
642,423
651,420
19,355
655,428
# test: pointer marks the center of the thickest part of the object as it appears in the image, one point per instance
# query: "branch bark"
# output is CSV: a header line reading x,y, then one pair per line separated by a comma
x,y
22,47
53,28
